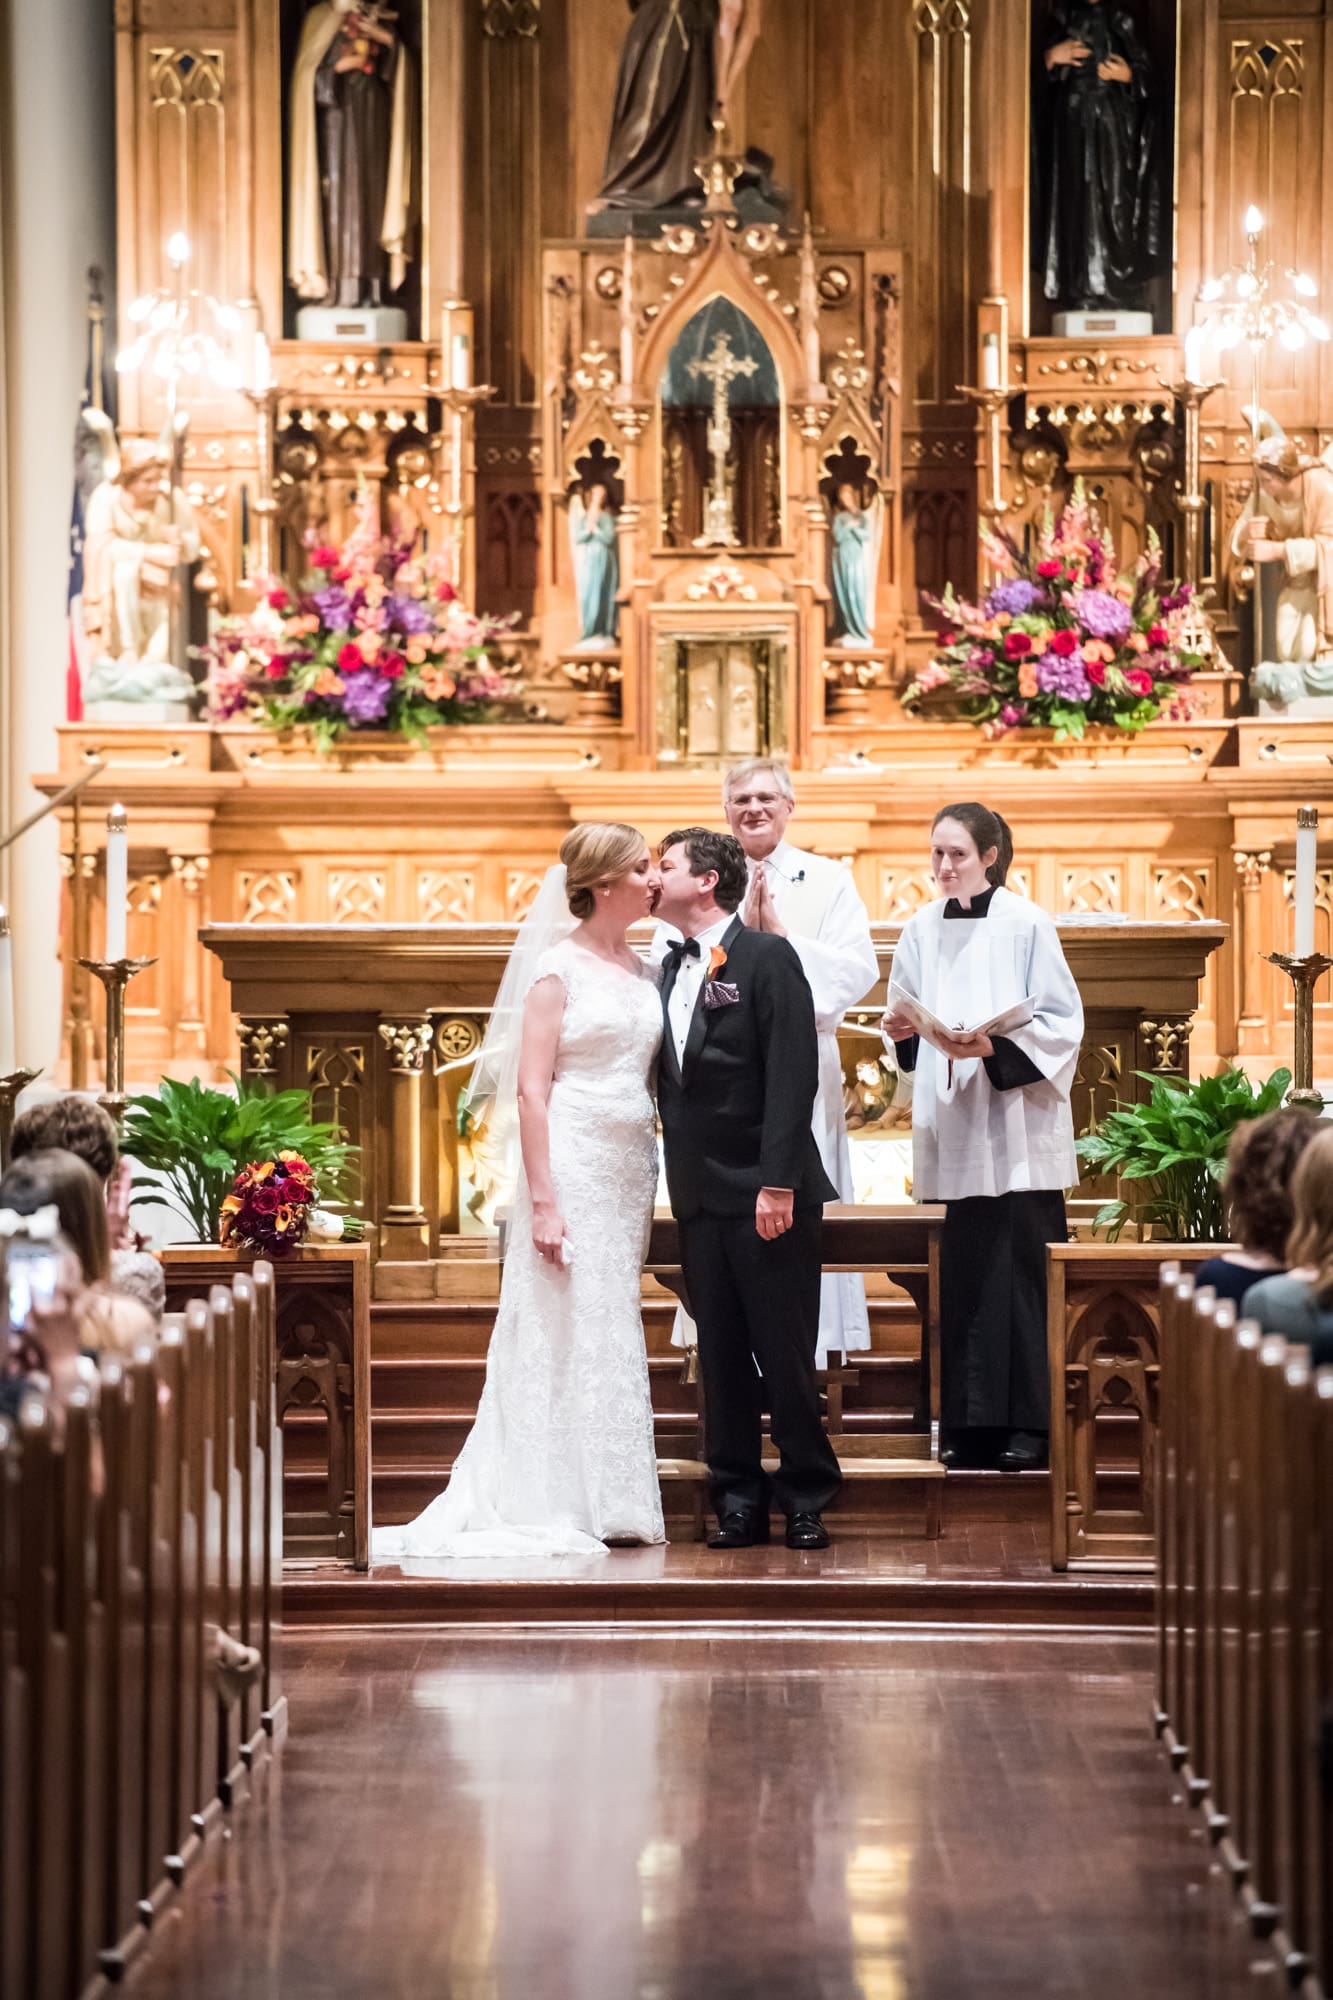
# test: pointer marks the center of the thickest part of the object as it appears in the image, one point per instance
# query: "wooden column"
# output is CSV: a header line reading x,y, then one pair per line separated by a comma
x,y
190,875
1252,865
403,1222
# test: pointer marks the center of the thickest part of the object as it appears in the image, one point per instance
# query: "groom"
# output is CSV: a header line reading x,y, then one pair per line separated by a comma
x,y
736,1086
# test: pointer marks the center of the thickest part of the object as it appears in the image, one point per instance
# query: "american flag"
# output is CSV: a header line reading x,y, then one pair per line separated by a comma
x,y
92,434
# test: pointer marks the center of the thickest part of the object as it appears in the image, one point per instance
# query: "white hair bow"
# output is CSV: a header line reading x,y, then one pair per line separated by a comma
x,y
42,1226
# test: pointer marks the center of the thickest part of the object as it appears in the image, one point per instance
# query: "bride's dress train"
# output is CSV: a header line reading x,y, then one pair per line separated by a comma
x,y
561,1456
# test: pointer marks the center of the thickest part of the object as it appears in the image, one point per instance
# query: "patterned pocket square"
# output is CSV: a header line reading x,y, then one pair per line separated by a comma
x,y
718,993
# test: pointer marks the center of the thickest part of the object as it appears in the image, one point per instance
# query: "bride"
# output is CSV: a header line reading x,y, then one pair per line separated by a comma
x,y
560,1460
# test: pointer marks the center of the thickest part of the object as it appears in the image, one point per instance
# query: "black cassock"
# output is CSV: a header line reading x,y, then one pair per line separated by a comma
x,y
664,105
1096,163
994,1373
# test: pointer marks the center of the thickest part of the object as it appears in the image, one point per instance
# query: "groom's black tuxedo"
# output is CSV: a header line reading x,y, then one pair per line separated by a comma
x,y
736,1118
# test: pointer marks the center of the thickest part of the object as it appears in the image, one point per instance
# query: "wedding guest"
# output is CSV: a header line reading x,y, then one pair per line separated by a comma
x,y
57,1179
992,1133
1299,1301
81,1126
1261,1159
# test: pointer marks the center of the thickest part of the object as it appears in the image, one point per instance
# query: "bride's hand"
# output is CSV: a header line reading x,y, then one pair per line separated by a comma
x,y
548,1230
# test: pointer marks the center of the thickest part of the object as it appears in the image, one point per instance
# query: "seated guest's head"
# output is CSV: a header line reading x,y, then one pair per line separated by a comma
x,y
75,1125
58,1179
1310,1245
1261,1160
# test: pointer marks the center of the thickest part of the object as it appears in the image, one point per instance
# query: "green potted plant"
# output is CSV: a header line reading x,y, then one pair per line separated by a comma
x,y
193,1140
1173,1148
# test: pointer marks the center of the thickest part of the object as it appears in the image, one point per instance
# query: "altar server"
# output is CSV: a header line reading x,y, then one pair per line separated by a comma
x,y
814,902
992,1133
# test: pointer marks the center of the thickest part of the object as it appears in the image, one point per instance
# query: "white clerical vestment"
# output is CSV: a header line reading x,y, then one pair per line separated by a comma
x,y
968,1138
818,903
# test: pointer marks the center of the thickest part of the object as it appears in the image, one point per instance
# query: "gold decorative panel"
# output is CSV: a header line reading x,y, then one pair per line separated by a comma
x,y
521,887
357,895
188,161
1090,888
902,892
446,896
334,1072
1186,893
268,897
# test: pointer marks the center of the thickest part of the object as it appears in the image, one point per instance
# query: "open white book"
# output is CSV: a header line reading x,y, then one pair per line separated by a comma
x,y
929,1025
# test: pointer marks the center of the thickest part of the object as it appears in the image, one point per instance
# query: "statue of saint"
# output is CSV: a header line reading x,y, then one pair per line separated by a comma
x,y
679,69
350,146
139,533
1101,234
857,535
592,530
1291,528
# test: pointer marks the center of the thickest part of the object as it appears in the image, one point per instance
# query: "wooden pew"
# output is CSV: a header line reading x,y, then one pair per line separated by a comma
x,y
137,1513
1244,1680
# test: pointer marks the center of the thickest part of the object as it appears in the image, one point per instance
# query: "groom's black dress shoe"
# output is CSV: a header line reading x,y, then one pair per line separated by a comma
x,y
806,1531
739,1530
1026,1451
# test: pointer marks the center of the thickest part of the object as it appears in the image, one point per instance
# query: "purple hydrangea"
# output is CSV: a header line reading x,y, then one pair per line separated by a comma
x,y
334,607
405,614
1065,678
1105,616
1014,598
366,697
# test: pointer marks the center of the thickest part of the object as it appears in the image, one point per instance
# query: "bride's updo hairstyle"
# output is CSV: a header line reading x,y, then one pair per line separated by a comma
x,y
596,854
987,830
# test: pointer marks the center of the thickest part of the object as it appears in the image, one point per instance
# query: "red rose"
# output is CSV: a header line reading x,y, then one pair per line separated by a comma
x,y
1064,642
1140,681
945,637
279,599
324,558
1017,645
277,667
1050,567
1159,636
392,666
350,659
446,593
265,1200
1096,672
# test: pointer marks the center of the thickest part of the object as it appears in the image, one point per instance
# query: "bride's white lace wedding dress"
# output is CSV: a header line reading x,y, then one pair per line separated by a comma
x,y
561,1455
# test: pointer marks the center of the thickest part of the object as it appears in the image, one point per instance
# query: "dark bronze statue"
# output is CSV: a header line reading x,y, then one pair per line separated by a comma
x,y
680,66
1097,170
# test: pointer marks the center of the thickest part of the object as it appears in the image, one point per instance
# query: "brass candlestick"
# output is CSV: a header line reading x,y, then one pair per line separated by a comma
x,y
1304,974
115,974
10,1086
991,404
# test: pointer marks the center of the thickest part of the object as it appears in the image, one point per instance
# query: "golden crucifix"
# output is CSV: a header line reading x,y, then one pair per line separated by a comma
x,y
721,368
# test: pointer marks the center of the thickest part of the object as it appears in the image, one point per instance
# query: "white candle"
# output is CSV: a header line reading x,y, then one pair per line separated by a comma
x,y
1194,354
263,365
8,1050
990,361
462,362
1307,847
117,883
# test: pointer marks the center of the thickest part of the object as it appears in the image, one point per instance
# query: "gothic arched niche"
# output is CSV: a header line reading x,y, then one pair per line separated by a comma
x,y
711,497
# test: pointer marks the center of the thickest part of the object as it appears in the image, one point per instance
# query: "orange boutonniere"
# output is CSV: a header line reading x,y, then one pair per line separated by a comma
x,y
717,958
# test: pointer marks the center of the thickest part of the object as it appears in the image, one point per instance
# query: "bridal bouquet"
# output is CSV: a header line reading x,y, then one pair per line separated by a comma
x,y
1062,640
376,638
269,1206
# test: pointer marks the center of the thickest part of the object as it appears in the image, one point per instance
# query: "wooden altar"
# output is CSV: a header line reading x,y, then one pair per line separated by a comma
x,y
380,1024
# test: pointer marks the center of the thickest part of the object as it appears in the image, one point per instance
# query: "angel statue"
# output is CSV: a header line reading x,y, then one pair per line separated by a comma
x,y
1287,529
139,533
593,535
858,533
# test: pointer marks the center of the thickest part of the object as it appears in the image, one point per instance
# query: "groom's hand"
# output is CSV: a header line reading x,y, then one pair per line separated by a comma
x,y
773,1212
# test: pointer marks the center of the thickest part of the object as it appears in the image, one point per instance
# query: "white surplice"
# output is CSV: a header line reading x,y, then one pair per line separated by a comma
x,y
819,904
967,1138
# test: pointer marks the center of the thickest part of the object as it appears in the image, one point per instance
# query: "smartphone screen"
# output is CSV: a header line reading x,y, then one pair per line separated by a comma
x,y
32,1272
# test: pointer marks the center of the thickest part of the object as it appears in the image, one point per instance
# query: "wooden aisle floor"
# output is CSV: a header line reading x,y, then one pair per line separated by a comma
x,y
673,1814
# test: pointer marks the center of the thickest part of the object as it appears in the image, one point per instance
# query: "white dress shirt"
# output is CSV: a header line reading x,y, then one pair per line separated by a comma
x,y
689,985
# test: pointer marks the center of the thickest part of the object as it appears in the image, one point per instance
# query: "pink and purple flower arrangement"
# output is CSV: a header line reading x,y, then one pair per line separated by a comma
x,y
1061,640
376,638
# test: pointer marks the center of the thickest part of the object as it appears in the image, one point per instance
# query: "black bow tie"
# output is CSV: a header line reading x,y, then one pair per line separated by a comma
x,y
682,948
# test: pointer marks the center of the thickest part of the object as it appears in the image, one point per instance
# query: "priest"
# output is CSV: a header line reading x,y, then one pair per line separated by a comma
x,y
814,902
